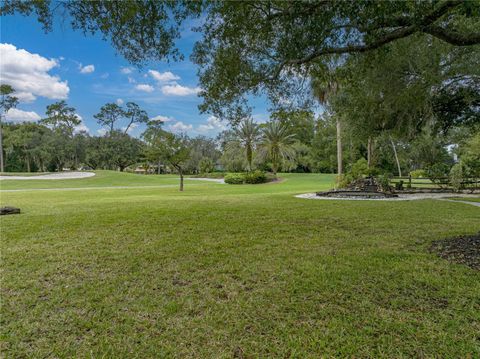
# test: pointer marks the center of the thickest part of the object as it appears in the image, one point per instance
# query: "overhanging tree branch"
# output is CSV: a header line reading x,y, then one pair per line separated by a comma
x,y
453,37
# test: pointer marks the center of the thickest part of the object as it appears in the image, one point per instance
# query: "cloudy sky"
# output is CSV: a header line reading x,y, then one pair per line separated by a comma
x,y
87,73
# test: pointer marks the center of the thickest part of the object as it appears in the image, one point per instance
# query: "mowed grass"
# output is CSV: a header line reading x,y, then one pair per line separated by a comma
x,y
468,199
223,271
101,179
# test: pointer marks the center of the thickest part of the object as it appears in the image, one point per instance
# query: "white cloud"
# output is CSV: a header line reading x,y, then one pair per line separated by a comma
x,y
105,75
28,74
126,70
81,127
102,131
261,118
16,115
119,102
86,69
179,90
131,128
144,88
166,76
213,125
162,118
25,96
179,126
131,80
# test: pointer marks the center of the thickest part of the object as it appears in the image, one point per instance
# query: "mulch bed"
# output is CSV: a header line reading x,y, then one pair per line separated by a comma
x,y
463,250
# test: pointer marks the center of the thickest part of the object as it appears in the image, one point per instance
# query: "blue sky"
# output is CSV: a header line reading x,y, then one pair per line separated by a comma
x,y
87,73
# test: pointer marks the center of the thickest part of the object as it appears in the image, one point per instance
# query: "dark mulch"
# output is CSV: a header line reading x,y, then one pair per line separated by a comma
x,y
463,250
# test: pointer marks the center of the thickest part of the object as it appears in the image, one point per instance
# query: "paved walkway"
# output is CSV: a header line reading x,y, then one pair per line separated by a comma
x,y
216,180
477,204
51,176
401,197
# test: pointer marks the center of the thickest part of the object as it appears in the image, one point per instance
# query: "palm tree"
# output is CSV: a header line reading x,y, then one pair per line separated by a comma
x,y
248,133
323,89
276,143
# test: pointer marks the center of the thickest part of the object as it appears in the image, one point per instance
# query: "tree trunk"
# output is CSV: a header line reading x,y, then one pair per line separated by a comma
x,y
249,158
396,157
369,152
27,161
158,169
339,148
181,180
1,149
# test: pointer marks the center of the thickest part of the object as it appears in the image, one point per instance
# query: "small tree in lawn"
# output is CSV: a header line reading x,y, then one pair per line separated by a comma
x,y
171,148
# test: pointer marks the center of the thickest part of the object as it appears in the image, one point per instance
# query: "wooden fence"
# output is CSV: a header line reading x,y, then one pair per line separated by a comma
x,y
440,182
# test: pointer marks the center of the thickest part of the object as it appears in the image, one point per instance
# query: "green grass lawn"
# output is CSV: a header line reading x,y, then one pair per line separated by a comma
x,y
27,174
468,199
101,179
221,271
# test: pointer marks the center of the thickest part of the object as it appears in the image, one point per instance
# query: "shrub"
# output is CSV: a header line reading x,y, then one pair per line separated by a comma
x,y
234,178
457,176
360,169
206,165
438,173
255,177
343,181
384,183
418,174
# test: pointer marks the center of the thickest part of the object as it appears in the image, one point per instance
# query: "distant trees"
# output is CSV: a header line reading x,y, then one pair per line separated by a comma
x,y
7,102
135,115
203,154
109,114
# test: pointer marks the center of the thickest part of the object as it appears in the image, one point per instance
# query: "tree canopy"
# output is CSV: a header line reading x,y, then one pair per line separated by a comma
x,y
252,47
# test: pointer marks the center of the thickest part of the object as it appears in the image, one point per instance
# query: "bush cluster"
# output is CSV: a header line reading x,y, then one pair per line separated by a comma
x,y
234,178
254,177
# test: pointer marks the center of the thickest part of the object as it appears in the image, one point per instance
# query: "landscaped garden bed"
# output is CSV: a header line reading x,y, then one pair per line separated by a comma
x,y
462,249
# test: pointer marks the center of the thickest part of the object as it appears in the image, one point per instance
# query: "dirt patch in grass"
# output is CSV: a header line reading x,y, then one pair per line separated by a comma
x,y
463,250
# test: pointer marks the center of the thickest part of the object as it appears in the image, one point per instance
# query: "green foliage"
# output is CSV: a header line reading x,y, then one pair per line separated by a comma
x,y
344,180
383,181
276,144
61,117
457,176
255,177
109,114
438,174
248,133
234,178
360,169
206,165
418,173
7,99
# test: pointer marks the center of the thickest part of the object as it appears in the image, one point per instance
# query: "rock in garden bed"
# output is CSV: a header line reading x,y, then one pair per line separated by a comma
x,y
463,250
